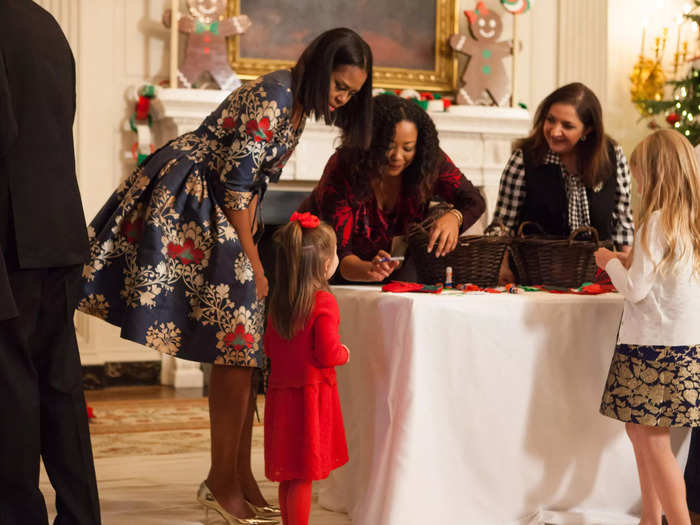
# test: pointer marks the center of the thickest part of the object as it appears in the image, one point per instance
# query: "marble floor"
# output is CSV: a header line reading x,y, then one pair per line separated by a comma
x,y
160,489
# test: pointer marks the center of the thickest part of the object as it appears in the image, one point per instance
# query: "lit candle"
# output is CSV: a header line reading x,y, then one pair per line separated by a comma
x,y
664,38
174,51
644,33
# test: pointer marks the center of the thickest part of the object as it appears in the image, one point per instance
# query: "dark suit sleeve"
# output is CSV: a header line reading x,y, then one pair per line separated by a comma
x,y
75,96
8,122
8,134
8,308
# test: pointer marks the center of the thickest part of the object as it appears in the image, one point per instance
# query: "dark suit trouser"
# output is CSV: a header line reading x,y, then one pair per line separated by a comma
x,y
692,472
42,407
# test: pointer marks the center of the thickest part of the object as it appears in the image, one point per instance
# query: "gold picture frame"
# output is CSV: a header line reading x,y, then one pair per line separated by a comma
x,y
436,72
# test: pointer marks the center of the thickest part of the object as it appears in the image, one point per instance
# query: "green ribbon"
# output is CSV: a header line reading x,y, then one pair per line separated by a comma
x,y
148,90
200,27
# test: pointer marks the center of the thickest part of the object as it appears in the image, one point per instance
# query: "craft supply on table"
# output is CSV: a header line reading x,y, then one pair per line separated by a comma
x,y
402,286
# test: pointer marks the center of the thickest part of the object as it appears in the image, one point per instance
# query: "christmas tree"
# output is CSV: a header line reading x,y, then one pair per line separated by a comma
x,y
682,108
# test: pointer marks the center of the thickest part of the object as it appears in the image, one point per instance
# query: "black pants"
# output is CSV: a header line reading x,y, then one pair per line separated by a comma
x,y
42,407
692,472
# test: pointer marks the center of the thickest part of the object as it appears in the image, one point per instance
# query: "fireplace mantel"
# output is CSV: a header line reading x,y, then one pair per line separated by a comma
x,y
477,138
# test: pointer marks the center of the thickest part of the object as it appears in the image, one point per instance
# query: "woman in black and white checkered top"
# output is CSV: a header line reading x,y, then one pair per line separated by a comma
x,y
567,173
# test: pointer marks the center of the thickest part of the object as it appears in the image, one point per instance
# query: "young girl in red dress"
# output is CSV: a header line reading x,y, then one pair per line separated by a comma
x,y
304,433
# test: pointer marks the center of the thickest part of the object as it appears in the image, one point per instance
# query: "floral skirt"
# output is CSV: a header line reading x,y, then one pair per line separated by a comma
x,y
168,268
654,385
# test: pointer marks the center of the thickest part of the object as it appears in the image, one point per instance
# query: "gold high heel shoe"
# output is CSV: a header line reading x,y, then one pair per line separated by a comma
x,y
208,501
265,511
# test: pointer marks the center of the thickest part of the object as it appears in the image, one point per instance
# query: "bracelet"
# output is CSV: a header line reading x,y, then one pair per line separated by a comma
x,y
457,214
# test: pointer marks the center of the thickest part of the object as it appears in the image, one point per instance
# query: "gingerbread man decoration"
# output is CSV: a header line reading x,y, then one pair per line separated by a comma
x,y
484,80
208,27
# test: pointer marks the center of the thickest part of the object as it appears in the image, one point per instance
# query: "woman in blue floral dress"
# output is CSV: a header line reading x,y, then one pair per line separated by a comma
x,y
174,260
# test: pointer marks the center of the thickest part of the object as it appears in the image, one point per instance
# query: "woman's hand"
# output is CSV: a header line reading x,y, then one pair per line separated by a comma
x,y
261,284
505,274
603,257
381,266
444,235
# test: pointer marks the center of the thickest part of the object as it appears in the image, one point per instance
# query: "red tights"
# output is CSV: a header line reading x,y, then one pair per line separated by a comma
x,y
295,501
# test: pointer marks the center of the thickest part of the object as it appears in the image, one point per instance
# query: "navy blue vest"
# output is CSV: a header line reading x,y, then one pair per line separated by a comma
x,y
546,202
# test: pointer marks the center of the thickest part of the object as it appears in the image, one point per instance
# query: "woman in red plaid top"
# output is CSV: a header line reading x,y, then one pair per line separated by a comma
x,y
371,196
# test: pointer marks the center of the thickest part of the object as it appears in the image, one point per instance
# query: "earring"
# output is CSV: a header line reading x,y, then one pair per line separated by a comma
x,y
583,138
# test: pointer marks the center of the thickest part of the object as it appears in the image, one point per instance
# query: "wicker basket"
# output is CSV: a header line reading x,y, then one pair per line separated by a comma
x,y
553,261
476,259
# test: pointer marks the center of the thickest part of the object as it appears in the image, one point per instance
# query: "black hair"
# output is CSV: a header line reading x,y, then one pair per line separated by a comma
x,y
418,177
311,83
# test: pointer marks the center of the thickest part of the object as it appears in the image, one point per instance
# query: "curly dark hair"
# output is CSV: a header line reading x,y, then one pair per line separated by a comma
x,y
365,165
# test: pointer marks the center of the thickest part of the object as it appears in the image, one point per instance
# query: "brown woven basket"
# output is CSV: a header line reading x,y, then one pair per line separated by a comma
x,y
476,259
553,261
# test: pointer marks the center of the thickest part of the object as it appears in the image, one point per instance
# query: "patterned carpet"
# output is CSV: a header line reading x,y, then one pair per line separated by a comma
x,y
154,427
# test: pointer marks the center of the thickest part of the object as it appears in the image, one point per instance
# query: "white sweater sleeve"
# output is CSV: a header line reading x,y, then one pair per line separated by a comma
x,y
636,283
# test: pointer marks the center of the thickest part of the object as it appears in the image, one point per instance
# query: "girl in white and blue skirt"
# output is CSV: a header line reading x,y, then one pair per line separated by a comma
x,y
654,379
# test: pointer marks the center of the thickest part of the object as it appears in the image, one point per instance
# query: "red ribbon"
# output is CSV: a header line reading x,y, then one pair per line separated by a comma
x,y
305,220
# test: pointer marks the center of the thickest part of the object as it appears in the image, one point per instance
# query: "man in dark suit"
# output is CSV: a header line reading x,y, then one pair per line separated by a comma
x,y
43,243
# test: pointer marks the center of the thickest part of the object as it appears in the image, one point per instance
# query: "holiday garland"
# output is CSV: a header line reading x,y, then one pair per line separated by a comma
x,y
141,121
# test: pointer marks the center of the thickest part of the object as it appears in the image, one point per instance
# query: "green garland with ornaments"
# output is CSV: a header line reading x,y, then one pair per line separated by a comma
x,y
682,109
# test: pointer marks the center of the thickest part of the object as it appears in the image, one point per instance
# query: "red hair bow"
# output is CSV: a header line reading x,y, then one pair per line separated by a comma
x,y
481,9
305,220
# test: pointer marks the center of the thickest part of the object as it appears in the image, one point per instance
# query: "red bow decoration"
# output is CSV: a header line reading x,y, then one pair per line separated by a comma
x,y
481,9
305,220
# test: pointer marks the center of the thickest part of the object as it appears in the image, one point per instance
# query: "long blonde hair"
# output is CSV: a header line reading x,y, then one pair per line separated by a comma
x,y
668,171
300,271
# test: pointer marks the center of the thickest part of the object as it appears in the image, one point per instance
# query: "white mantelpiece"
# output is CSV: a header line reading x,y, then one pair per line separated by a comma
x,y
477,138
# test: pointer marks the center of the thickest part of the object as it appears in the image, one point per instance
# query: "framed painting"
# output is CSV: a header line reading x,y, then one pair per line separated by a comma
x,y
409,40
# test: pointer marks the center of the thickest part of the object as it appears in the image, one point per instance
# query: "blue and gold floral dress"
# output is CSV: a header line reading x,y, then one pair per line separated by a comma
x,y
165,263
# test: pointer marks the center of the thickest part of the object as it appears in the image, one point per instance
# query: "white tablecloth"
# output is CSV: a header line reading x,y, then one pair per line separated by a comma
x,y
480,409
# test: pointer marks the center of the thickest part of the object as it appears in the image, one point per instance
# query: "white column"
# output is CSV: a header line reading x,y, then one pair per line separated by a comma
x,y
180,373
582,44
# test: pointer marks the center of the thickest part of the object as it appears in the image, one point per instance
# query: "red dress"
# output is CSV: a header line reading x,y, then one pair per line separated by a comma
x,y
304,433
362,227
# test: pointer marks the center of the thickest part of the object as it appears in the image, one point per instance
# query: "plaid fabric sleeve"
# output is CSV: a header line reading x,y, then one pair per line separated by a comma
x,y
511,193
623,225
